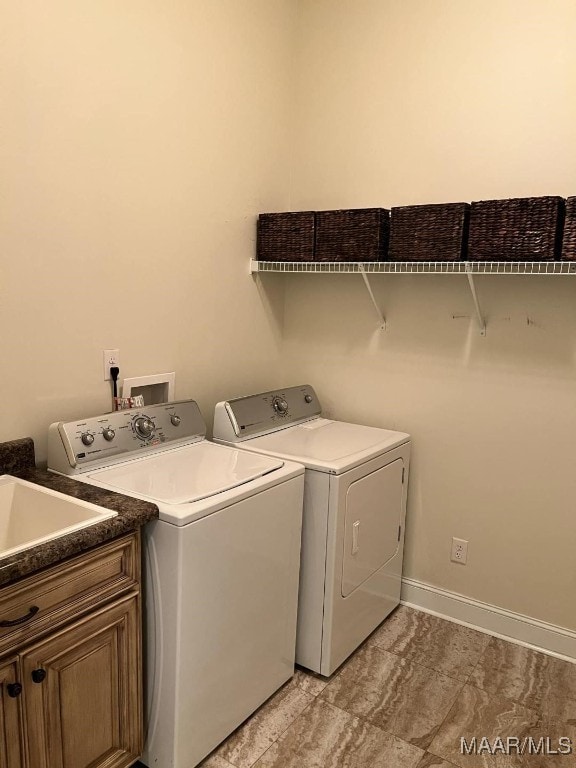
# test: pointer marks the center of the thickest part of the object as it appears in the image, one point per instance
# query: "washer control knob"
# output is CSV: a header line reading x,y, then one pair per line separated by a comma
x,y
175,420
308,398
87,438
280,405
144,427
108,434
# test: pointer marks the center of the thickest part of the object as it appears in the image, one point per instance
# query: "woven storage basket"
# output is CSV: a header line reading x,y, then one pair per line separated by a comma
x,y
285,236
569,241
428,232
352,235
520,229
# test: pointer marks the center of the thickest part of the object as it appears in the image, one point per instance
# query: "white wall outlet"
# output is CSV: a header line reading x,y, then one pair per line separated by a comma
x,y
111,359
459,552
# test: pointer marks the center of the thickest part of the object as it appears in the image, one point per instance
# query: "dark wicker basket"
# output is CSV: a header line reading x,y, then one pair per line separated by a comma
x,y
285,236
352,235
521,229
428,232
569,241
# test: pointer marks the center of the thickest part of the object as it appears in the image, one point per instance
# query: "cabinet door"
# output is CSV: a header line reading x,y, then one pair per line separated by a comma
x,y
83,692
11,750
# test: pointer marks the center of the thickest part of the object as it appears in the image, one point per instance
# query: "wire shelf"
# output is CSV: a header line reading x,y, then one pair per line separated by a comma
x,y
418,267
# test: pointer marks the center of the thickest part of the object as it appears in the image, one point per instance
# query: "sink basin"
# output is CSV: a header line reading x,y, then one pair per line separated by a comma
x,y
31,514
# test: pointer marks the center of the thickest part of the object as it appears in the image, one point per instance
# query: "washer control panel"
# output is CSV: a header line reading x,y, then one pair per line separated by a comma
x,y
113,436
269,411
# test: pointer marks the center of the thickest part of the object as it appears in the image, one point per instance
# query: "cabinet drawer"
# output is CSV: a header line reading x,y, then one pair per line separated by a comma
x,y
45,600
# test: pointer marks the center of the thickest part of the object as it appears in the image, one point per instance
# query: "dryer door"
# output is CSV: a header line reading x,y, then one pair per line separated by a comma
x,y
372,524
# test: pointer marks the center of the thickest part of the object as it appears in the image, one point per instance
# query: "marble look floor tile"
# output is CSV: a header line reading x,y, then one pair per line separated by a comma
x,y
531,678
252,739
215,761
326,737
553,731
403,698
476,714
436,643
433,761
310,682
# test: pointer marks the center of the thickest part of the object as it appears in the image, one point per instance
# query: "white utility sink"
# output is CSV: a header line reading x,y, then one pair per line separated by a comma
x,y
31,514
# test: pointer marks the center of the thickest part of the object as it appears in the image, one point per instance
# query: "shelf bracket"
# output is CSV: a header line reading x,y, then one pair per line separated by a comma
x,y
479,315
381,319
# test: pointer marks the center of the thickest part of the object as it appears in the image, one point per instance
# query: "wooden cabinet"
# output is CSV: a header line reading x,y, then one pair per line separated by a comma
x,y
47,600
80,704
82,693
11,744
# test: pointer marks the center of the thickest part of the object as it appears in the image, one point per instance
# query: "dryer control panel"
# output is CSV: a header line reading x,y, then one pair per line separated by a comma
x,y
76,446
244,417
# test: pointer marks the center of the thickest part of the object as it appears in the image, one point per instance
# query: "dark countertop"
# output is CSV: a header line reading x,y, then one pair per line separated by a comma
x,y
17,458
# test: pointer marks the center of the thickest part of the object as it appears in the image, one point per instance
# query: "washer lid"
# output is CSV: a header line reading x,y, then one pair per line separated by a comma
x,y
186,474
329,446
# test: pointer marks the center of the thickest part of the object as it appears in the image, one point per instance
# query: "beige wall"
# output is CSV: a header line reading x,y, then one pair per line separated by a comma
x,y
138,141
414,101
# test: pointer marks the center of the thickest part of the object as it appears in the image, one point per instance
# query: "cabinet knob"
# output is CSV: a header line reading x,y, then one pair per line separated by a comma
x,y
38,675
14,690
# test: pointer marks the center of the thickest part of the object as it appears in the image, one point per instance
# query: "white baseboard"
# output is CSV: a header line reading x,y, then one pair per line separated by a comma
x,y
484,617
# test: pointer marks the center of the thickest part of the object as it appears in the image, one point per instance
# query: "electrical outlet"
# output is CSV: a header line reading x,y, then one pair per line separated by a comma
x,y
459,551
111,359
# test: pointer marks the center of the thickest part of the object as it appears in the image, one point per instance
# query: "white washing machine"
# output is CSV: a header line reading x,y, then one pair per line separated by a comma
x,y
221,567
354,513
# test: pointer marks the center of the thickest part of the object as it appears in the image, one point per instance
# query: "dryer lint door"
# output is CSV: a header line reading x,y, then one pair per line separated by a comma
x,y
372,523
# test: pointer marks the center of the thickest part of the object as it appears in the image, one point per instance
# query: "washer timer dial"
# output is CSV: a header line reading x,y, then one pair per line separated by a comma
x,y
144,427
280,405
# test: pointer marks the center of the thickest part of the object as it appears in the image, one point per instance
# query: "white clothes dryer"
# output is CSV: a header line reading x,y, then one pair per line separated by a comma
x,y
354,514
221,567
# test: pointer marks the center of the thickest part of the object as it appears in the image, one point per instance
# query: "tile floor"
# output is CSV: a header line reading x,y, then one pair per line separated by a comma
x,y
404,700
